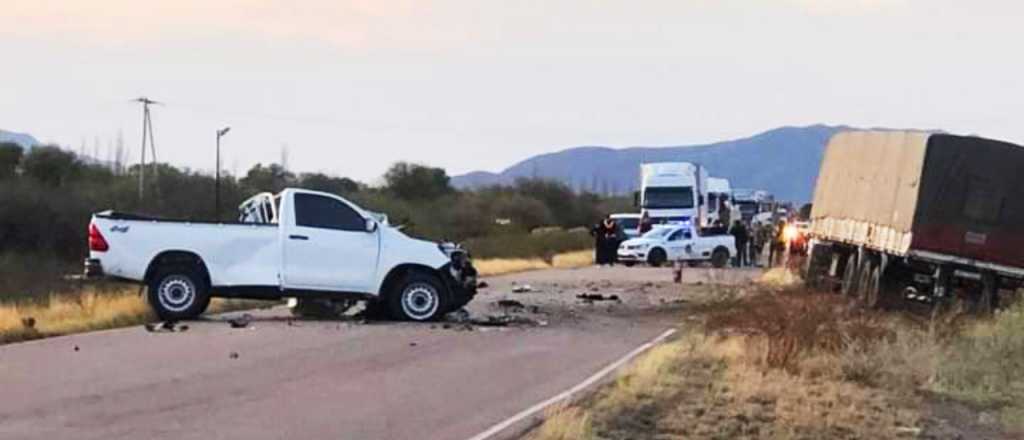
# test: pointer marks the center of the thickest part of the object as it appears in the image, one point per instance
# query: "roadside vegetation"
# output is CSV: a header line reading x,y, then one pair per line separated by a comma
x,y
775,361
48,194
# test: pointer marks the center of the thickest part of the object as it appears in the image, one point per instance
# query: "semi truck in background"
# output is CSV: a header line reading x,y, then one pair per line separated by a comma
x,y
752,202
924,216
673,192
720,200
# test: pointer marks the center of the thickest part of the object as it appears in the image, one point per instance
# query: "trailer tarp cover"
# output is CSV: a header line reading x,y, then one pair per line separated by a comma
x,y
909,191
868,188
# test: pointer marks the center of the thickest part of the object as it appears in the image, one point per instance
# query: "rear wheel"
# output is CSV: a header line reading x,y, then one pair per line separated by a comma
x,y
657,257
849,287
719,258
177,293
872,297
418,297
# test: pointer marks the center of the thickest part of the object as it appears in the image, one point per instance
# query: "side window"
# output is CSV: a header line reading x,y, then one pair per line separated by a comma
x,y
984,202
315,211
676,235
687,234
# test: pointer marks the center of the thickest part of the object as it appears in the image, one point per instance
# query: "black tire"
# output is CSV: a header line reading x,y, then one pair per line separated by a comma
x,y
815,268
418,297
849,285
872,297
864,279
178,292
657,257
719,258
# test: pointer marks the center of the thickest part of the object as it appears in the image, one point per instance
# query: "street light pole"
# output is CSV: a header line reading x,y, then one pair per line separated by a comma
x,y
216,179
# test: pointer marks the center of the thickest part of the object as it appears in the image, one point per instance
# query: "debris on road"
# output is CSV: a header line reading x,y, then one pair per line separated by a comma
x,y
233,355
241,321
482,285
165,327
76,348
510,304
590,298
522,289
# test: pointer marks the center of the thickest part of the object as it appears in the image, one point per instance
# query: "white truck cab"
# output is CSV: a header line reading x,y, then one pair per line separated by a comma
x,y
299,243
677,242
673,192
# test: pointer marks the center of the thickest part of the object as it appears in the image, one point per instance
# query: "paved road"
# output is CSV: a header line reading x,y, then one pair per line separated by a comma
x,y
309,379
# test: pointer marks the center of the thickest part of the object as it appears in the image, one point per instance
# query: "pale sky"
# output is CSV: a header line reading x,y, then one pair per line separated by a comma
x,y
352,86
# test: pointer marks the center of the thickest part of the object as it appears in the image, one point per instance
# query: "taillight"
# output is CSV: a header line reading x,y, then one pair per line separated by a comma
x,y
96,241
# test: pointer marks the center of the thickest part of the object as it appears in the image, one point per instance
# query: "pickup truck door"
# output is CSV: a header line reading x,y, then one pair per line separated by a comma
x,y
327,246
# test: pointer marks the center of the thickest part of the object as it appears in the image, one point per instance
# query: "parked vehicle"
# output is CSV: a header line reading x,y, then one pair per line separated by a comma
x,y
629,222
677,242
299,243
753,204
673,192
919,215
719,198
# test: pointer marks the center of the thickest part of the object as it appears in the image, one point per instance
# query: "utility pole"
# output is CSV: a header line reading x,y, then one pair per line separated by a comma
x,y
216,179
147,129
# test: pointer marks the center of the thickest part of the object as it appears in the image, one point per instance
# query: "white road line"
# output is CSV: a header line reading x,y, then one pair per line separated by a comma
x,y
568,393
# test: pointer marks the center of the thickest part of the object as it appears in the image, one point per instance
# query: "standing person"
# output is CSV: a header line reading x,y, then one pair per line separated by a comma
x,y
604,233
756,243
645,223
777,243
740,234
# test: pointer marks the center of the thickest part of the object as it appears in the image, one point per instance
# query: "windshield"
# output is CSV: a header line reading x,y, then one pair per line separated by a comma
x,y
628,223
669,197
657,232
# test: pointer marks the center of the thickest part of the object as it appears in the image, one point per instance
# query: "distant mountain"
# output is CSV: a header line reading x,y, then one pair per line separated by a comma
x,y
783,161
25,140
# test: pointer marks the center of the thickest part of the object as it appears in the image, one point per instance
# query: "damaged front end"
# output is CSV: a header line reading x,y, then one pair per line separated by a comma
x,y
459,274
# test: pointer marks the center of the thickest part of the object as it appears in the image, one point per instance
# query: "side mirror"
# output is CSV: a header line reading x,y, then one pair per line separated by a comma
x,y
371,225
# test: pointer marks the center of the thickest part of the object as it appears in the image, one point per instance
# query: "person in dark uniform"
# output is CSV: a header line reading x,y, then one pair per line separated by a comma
x,y
645,223
606,240
742,237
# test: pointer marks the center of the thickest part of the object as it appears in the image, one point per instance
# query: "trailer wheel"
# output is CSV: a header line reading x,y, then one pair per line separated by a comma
x,y
873,289
657,257
987,299
864,272
178,292
849,285
814,271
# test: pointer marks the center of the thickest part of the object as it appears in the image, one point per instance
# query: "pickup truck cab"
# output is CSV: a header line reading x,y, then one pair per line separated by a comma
x,y
299,243
677,242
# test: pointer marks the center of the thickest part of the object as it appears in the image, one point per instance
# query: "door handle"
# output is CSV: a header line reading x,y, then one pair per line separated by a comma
x,y
298,237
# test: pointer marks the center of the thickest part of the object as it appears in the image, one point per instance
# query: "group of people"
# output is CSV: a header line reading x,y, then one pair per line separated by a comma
x,y
752,242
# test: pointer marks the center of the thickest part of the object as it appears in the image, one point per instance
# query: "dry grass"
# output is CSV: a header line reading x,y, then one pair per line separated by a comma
x,y
565,423
572,260
781,362
89,310
501,266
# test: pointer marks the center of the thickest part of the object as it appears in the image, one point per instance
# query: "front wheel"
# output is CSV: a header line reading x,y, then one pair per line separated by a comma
x,y
177,293
657,257
419,297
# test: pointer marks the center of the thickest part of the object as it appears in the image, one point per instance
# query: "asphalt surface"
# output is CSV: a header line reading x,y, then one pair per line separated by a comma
x,y
284,379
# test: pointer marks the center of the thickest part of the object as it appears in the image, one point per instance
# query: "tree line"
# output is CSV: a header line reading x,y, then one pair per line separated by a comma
x,y
47,195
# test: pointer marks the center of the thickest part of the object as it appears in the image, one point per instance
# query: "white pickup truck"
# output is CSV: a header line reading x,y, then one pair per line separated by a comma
x,y
677,242
301,244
